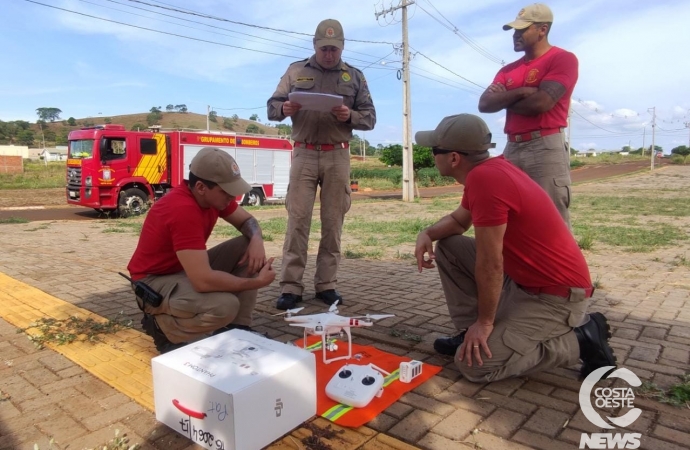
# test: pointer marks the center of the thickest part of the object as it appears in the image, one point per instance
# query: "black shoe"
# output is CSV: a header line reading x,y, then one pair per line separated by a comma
x,y
595,351
163,345
288,301
449,346
329,297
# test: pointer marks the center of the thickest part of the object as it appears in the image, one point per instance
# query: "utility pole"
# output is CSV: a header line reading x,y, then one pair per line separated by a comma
x,y
644,134
687,125
364,140
208,123
408,168
653,152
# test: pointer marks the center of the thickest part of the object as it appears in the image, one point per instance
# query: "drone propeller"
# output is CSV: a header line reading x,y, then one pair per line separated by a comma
x,y
334,307
289,312
374,316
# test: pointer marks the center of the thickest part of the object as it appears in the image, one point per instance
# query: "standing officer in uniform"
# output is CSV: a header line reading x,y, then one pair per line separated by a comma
x,y
321,158
535,91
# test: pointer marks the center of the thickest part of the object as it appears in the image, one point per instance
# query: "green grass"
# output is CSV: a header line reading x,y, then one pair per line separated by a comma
x,y
37,175
632,239
677,395
360,253
634,206
388,232
11,220
124,225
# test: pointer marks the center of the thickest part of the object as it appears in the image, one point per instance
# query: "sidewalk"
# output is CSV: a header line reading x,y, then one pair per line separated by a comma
x,y
47,394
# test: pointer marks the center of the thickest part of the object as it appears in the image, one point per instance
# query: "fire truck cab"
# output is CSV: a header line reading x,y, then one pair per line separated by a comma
x,y
111,169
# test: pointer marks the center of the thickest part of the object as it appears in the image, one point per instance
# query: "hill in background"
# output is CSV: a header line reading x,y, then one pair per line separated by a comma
x,y
56,132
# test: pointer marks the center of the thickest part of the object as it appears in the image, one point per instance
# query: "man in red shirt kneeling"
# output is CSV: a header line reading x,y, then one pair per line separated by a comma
x,y
203,292
518,292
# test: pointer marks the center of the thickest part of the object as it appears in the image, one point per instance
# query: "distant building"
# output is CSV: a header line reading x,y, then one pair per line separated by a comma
x,y
53,154
14,150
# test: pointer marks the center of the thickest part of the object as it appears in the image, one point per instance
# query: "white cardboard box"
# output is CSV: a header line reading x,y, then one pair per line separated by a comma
x,y
236,390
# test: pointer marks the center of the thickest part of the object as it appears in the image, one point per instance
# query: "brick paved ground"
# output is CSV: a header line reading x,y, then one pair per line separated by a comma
x,y
645,295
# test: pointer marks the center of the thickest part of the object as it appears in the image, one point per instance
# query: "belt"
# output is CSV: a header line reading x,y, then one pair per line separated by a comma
x,y
322,147
524,137
560,291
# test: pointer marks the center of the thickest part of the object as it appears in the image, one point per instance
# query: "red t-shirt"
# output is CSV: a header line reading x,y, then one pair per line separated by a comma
x,y
554,65
175,222
538,248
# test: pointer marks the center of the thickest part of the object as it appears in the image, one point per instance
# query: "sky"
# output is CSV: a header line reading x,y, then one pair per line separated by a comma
x,y
230,55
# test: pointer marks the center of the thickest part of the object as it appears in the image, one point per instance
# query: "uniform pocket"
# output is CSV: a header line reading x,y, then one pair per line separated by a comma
x,y
348,93
303,84
518,342
563,185
347,201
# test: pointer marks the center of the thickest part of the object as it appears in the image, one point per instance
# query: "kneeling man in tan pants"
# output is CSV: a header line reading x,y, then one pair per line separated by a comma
x,y
518,292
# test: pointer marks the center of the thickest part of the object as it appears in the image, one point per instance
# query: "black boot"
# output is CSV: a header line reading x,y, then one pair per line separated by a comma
x,y
595,351
160,340
288,301
330,296
449,346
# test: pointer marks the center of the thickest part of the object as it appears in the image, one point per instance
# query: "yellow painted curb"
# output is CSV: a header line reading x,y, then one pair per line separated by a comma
x,y
122,360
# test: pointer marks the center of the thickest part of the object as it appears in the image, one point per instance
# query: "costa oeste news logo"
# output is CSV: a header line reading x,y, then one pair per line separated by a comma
x,y
608,397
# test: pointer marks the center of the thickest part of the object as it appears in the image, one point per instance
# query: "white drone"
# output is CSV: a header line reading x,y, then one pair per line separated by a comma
x,y
329,323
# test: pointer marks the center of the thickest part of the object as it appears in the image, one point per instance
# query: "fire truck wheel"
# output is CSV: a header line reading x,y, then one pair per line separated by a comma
x,y
255,197
133,202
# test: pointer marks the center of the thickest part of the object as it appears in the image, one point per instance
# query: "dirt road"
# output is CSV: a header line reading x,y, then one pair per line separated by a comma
x,y
49,204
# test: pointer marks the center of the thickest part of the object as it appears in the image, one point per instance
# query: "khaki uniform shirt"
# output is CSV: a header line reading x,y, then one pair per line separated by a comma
x,y
315,127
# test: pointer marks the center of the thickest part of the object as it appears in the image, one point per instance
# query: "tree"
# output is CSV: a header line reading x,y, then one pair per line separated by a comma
x,y
107,120
228,123
683,151
155,109
253,128
170,108
48,114
181,108
284,129
421,156
254,117
138,127
235,118
213,116
72,121
154,118
25,137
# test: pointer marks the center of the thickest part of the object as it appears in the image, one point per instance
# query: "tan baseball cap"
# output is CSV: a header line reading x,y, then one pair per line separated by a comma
x,y
214,164
535,13
463,132
329,32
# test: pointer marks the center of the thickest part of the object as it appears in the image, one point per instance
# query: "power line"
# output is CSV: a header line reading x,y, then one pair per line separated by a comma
x,y
594,124
276,30
445,68
476,47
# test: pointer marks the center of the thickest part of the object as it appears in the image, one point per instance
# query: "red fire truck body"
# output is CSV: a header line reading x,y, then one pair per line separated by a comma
x,y
112,169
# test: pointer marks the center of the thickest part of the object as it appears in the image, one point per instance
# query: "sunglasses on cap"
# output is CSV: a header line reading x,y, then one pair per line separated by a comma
x,y
443,151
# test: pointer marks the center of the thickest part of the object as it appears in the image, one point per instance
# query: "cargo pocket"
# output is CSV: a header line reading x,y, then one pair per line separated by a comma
x,y
518,343
563,187
347,201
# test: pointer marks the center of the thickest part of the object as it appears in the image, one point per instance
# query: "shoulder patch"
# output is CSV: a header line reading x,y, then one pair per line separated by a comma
x,y
346,77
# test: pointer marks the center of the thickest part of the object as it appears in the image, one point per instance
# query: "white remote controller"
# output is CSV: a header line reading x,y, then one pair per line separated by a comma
x,y
410,370
355,385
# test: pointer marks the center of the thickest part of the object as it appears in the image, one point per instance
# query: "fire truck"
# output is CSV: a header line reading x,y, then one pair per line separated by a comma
x,y
114,170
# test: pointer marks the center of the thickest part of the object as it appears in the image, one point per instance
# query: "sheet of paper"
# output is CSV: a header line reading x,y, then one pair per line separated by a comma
x,y
313,101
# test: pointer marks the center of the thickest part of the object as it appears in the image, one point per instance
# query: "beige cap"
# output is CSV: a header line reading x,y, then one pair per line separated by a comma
x,y
463,132
329,32
214,164
536,13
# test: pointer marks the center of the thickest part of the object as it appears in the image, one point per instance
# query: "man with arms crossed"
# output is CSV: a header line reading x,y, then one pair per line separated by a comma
x,y
535,91
204,292
518,292
321,158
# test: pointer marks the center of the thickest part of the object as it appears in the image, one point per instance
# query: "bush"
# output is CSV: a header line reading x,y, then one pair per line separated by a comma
x,y
574,163
678,159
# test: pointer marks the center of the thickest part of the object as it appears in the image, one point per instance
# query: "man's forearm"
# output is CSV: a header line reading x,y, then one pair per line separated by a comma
x,y
533,105
445,227
250,228
489,276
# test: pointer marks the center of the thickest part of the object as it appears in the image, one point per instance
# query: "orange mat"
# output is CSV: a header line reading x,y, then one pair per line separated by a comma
x,y
393,388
